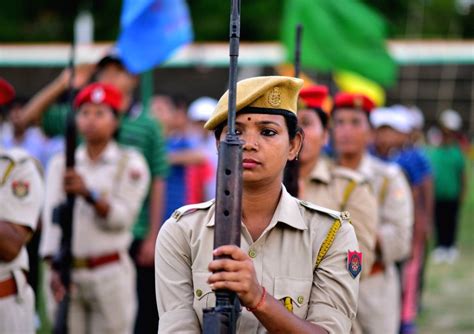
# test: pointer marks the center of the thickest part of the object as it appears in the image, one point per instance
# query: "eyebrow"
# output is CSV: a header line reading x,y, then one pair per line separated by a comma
x,y
262,123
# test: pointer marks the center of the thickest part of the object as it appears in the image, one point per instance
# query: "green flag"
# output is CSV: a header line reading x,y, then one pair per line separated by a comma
x,y
339,35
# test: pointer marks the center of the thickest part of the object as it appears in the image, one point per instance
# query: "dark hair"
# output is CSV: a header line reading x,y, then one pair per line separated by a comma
x,y
179,102
323,117
290,120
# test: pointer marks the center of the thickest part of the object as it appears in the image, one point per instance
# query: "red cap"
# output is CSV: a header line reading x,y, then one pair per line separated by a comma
x,y
353,101
7,93
314,96
99,93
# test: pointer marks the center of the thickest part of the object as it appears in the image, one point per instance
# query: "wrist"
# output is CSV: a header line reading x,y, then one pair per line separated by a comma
x,y
60,85
259,303
91,197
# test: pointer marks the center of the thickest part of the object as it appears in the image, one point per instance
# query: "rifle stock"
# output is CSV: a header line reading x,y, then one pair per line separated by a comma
x,y
223,317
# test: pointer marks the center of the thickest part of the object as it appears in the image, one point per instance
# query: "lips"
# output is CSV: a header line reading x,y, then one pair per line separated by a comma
x,y
249,163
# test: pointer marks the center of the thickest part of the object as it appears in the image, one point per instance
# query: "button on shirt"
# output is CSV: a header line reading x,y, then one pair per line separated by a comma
x,y
121,177
284,258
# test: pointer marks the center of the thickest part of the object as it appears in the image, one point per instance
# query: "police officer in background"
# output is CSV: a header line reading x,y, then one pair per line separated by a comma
x,y
110,183
334,187
379,297
21,192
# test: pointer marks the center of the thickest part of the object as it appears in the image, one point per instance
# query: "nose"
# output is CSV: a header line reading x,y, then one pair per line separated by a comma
x,y
250,142
250,146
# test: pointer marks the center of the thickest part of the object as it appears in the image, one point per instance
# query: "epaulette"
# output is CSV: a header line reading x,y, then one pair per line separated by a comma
x,y
187,209
16,157
339,219
342,216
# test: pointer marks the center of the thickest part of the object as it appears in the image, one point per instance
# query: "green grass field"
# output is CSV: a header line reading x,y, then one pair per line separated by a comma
x,y
448,300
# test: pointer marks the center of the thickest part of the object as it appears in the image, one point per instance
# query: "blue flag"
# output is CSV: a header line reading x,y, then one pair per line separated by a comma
x,y
151,30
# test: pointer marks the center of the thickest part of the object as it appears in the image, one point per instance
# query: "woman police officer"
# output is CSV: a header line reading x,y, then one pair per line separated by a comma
x,y
276,273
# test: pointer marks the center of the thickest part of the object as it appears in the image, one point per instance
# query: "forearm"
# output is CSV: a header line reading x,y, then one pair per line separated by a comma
x,y
187,157
34,109
157,196
276,319
10,242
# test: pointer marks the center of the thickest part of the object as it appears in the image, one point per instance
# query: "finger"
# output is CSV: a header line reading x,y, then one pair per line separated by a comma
x,y
237,287
69,171
225,265
231,250
227,276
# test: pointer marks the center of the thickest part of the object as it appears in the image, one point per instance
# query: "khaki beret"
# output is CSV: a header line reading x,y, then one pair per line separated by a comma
x,y
275,93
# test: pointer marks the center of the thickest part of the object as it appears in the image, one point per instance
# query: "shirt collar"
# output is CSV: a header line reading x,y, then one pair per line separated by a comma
x,y
321,172
110,154
365,166
287,212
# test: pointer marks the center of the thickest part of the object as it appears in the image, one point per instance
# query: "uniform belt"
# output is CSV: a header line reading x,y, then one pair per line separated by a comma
x,y
378,267
8,287
94,262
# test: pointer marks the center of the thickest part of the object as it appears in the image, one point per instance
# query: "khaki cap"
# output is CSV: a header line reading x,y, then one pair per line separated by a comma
x,y
270,92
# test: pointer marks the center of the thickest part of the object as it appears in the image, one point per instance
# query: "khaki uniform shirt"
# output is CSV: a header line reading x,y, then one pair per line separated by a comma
x,y
120,176
21,192
343,189
284,257
395,207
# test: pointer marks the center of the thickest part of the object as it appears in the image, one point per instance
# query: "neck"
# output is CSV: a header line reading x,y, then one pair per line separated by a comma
x,y
259,204
94,150
307,167
351,161
19,135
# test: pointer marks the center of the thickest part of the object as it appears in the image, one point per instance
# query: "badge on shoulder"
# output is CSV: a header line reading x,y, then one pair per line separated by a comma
x,y
354,262
20,188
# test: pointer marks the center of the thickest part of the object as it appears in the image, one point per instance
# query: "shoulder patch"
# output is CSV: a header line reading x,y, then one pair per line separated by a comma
x,y
187,209
332,213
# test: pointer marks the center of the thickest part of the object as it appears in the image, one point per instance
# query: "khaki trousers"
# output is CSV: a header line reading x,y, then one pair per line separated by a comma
x,y
103,300
379,303
17,311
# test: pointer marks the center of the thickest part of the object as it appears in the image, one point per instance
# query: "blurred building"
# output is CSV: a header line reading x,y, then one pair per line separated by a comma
x,y
433,75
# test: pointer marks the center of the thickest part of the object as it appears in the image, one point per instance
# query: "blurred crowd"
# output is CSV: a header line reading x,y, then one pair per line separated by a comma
x,y
123,195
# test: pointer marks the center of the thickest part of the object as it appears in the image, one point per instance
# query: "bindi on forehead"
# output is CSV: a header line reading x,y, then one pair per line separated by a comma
x,y
249,118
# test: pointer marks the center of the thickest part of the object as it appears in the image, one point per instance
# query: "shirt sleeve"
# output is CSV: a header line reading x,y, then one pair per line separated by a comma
x,y
395,232
158,160
173,281
334,293
362,206
25,189
132,187
54,120
54,196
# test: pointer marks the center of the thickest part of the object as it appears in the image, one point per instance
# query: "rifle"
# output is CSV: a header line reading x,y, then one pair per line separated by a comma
x,y
63,259
292,168
222,319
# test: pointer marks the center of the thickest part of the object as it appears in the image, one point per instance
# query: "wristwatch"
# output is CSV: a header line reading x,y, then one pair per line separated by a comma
x,y
92,197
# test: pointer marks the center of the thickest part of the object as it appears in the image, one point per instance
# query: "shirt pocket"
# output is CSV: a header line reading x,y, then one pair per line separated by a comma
x,y
294,293
204,297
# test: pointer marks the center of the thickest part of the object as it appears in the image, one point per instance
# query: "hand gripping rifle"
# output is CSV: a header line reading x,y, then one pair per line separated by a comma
x,y
63,259
292,169
222,319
